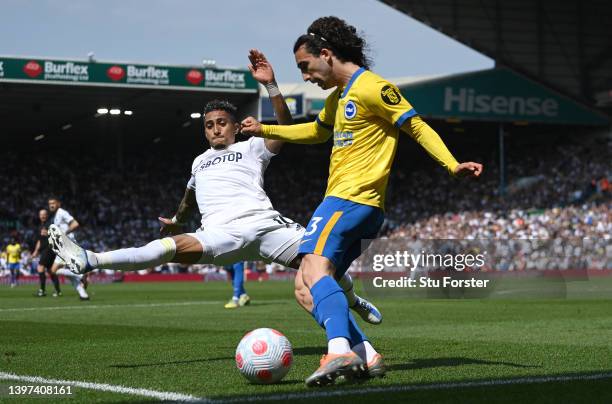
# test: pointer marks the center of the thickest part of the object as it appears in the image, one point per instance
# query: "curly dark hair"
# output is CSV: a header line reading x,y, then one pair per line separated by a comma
x,y
221,105
337,35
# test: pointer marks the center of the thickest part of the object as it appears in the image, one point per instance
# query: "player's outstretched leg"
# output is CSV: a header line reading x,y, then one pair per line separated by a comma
x,y
183,249
366,310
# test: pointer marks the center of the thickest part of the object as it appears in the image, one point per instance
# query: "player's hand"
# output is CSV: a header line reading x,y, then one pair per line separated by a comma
x,y
260,68
250,126
169,228
469,169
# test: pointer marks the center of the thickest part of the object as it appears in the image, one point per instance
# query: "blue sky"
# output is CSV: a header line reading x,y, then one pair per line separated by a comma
x,y
187,31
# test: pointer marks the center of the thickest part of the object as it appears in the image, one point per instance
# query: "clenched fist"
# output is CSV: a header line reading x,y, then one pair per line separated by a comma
x,y
250,126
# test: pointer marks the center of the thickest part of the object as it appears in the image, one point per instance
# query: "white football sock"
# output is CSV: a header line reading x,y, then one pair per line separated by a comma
x,y
69,274
346,283
338,345
365,350
81,291
155,253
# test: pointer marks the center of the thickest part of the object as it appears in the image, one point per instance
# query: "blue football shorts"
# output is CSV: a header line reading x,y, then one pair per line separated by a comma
x,y
337,229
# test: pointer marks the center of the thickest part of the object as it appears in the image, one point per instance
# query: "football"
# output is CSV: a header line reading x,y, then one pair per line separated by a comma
x,y
264,356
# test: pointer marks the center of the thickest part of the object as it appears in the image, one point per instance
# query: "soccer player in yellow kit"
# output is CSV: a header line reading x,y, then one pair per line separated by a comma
x,y
365,114
13,253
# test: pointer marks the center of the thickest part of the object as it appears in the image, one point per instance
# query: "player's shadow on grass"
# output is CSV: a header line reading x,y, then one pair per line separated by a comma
x,y
444,362
184,362
308,350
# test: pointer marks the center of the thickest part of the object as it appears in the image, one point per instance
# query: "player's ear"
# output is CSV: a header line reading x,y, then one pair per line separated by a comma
x,y
325,54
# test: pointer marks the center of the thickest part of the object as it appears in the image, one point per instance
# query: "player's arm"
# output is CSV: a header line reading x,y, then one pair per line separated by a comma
x,y
262,71
431,142
429,139
186,207
385,100
72,226
306,133
36,249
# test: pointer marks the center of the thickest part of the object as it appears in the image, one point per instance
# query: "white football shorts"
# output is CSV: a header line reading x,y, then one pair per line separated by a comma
x,y
265,235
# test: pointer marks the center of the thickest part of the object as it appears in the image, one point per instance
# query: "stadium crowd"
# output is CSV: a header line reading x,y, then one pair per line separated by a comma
x,y
553,192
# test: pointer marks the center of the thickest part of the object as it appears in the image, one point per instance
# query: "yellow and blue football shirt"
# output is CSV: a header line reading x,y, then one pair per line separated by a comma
x,y
365,118
13,252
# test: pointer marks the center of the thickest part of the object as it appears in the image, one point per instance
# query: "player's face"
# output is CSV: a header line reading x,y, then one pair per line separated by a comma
x,y
316,69
43,215
220,129
54,205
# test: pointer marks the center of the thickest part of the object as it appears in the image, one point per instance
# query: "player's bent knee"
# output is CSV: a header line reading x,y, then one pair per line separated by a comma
x,y
304,299
315,267
188,249
302,293
295,263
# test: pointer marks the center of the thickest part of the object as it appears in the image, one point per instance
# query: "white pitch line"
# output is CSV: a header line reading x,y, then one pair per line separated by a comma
x,y
122,306
415,387
160,395
109,306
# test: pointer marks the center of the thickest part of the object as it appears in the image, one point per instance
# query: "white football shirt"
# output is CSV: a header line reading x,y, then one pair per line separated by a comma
x,y
62,219
229,182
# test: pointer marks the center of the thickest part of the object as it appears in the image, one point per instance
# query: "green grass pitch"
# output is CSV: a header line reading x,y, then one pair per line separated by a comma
x,y
177,337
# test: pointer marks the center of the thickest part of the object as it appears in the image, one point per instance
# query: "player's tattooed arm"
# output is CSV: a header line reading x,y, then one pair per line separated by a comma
x,y
262,71
186,207
72,226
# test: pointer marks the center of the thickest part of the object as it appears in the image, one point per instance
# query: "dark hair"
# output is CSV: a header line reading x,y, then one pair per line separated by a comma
x,y
54,198
221,105
335,34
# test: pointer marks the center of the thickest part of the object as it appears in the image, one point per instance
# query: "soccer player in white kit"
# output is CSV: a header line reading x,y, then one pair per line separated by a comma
x,y
68,224
238,220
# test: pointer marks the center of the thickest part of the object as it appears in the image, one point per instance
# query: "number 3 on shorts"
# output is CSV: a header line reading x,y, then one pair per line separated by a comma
x,y
313,223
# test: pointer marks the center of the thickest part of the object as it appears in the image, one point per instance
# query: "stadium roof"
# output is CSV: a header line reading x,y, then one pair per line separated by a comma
x,y
43,96
494,95
313,91
564,44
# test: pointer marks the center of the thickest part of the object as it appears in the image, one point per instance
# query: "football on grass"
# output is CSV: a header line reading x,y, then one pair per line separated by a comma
x,y
264,356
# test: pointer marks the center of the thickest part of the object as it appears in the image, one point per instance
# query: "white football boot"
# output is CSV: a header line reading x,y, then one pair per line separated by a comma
x,y
73,254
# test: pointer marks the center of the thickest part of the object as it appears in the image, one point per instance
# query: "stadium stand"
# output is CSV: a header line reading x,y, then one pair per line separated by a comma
x,y
555,191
